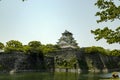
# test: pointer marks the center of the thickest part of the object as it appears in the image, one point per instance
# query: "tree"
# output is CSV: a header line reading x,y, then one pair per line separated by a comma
x,y
112,36
13,45
34,47
49,48
108,11
115,52
26,49
94,50
1,45
34,44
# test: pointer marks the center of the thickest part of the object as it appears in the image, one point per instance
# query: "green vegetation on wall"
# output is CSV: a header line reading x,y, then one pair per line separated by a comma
x,y
101,50
65,63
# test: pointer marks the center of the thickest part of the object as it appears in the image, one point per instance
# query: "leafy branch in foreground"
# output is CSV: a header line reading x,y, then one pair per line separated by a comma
x,y
108,11
108,34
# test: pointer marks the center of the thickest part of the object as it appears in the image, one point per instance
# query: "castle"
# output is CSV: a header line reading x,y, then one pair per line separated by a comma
x,y
68,58
67,40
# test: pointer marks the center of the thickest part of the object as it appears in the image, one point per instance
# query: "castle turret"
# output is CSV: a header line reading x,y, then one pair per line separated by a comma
x,y
67,40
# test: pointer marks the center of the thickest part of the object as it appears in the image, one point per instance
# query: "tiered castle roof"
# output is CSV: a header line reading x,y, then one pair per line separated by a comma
x,y
67,40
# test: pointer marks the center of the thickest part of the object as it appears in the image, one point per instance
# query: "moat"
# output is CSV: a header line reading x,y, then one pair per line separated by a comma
x,y
55,76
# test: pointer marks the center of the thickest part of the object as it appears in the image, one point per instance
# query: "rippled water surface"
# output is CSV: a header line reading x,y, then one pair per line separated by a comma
x,y
55,76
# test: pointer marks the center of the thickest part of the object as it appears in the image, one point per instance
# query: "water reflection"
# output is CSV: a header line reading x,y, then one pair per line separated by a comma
x,y
54,76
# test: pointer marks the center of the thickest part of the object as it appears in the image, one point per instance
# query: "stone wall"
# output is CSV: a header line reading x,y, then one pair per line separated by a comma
x,y
68,60
97,62
78,60
19,61
65,58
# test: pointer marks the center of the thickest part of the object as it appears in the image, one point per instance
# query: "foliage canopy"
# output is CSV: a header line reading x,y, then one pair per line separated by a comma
x,y
13,45
1,45
108,11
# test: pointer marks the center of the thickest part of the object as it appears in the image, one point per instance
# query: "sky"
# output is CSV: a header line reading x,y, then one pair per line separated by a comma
x,y
45,20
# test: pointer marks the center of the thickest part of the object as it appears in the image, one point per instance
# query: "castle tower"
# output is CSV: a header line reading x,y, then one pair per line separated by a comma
x,y
67,40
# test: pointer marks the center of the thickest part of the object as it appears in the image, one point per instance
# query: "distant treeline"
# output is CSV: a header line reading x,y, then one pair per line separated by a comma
x,y
37,46
31,47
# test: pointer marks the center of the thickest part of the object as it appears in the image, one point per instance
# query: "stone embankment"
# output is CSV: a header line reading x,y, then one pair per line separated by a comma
x,y
20,62
65,60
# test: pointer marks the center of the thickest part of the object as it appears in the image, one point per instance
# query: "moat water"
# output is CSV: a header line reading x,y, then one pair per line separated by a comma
x,y
55,76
